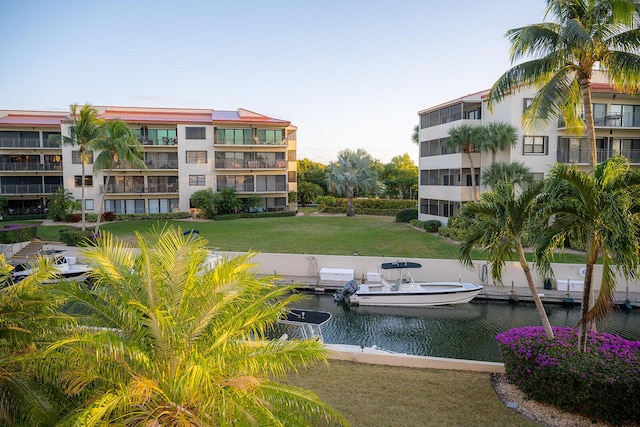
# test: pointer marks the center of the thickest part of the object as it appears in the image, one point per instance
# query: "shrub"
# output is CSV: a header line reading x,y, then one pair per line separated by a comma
x,y
74,218
406,215
432,226
204,200
77,237
601,383
14,233
108,216
417,223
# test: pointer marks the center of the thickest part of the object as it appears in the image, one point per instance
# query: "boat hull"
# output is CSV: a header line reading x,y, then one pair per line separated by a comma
x,y
421,295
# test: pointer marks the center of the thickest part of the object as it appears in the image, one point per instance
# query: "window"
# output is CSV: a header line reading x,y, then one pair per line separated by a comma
x,y
196,132
76,158
268,136
196,157
88,204
233,136
526,103
196,180
535,144
88,180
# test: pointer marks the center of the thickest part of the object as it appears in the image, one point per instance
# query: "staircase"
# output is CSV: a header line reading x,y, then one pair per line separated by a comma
x,y
29,252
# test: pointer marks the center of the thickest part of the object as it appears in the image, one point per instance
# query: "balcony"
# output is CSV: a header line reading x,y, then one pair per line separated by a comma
x,y
20,142
582,156
30,166
150,164
29,188
140,189
612,120
250,164
158,141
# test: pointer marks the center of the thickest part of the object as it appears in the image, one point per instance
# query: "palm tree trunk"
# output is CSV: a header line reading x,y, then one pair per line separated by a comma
x,y
350,209
588,296
473,177
101,209
534,292
585,87
82,150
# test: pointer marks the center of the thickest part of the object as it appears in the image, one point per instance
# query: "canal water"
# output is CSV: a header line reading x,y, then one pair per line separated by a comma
x,y
462,331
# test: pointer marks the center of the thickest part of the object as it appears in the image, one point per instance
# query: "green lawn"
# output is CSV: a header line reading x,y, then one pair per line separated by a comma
x,y
308,234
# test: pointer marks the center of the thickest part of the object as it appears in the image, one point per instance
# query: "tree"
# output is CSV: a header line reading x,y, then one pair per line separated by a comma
x,y
28,319
204,200
598,211
415,136
308,192
466,138
62,204
350,173
498,136
516,173
314,172
496,224
227,201
119,144
400,177
166,341
582,35
85,130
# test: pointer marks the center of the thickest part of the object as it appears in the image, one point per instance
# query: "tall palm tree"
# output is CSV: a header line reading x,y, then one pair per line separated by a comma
x,y
351,172
119,144
496,224
582,35
85,130
28,318
516,173
466,138
167,341
598,211
498,136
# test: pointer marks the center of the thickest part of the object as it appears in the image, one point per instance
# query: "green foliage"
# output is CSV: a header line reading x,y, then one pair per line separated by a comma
x,y
308,192
384,207
204,200
14,233
432,226
327,201
62,204
77,237
602,383
417,223
227,201
108,216
156,216
351,175
3,205
406,215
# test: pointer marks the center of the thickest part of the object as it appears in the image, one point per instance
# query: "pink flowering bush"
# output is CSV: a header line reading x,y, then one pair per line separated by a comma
x,y
602,383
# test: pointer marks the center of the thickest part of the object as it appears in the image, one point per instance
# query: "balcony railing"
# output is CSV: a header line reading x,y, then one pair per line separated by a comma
x,y
254,141
612,120
159,141
251,164
19,142
29,188
582,156
30,166
150,164
151,188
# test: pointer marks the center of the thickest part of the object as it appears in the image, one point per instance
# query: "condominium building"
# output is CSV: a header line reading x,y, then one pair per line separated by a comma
x,y
185,150
445,176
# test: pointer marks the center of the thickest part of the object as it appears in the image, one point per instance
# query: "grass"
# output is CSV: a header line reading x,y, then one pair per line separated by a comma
x,y
326,235
377,395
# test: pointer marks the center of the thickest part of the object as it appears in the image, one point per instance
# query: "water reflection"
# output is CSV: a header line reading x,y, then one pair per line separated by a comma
x,y
463,331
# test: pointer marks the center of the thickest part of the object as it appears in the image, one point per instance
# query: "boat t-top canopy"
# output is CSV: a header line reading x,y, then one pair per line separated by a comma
x,y
399,264
308,317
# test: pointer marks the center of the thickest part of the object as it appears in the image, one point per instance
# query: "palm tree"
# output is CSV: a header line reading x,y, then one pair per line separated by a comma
x,y
598,211
496,224
415,136
308,192
28,318
167,341
85,130
466,138
351,172
498,136
583,35
516,173
120,144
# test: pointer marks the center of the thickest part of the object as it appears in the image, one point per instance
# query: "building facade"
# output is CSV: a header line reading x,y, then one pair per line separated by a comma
x,y
185,150
445,177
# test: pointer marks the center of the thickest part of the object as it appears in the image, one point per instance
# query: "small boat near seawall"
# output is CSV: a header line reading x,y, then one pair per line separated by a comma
x,y
67,267
403,291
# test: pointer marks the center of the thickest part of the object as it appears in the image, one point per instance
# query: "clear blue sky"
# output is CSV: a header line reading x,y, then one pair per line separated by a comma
x,y
349,73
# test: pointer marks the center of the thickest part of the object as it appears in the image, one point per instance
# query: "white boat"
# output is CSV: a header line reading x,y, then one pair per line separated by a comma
x,y
403,291
67,267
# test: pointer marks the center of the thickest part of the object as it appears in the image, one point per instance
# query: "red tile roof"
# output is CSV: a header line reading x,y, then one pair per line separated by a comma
x,y
31,120
157,116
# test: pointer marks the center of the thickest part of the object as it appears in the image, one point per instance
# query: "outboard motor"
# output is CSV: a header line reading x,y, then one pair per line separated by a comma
x,y
349,289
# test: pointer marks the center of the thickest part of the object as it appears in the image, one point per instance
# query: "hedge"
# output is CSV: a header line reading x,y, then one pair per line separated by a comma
x,y
275,214
14,233
77,237
383,207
